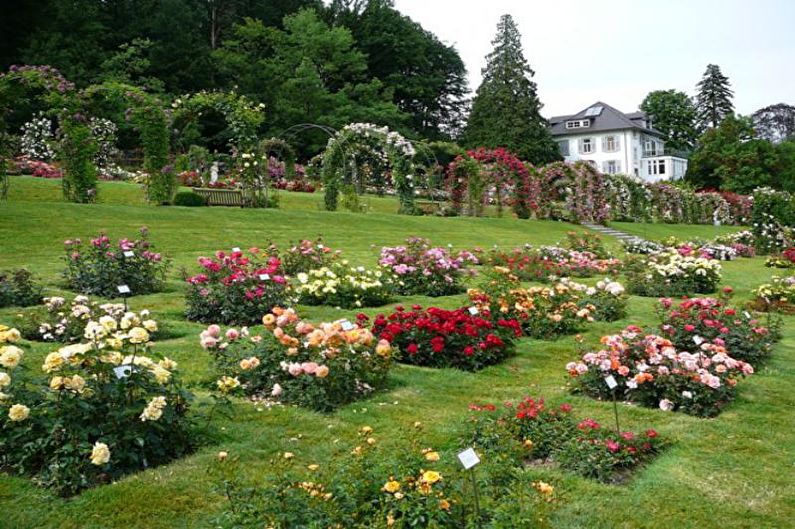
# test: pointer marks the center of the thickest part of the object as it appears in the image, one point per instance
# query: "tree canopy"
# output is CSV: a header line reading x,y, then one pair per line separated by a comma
x,y
673,114
714,99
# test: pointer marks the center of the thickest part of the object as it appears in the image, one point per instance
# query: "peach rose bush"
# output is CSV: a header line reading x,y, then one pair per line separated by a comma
x,y
236,288
651,371
320,367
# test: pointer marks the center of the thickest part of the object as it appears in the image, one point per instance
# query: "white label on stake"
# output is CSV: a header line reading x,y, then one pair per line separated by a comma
x,y
236,249
122,371
473,311
347,326
129,253
264,277
468,458
698,340
747,314
123,289
610,380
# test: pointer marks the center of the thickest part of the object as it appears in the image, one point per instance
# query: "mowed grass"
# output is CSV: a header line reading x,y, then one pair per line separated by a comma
x,y
734,471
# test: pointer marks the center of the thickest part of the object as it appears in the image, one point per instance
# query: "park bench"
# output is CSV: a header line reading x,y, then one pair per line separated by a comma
x,y
222,197
429,207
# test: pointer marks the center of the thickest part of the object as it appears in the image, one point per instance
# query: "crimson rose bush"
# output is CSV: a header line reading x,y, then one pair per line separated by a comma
x,y
460,338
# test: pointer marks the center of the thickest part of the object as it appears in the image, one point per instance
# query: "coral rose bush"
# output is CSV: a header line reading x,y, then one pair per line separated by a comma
x,y
96,410
100,267
462,338
713,320
236,288
316,366
651,371
426,270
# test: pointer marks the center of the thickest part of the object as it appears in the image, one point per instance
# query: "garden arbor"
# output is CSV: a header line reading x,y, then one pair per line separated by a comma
x,y
379,146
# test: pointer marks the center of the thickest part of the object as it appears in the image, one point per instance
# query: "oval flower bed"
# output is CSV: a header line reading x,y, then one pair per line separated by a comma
x,y
345,286
462,338
236,288
316,366
649,370
670,274
778,295
549,262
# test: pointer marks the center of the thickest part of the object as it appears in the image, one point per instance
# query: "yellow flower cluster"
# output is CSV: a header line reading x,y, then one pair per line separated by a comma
x,y
10,356
8,335
226,384
75,384
18,412
154,410
100,454
316,490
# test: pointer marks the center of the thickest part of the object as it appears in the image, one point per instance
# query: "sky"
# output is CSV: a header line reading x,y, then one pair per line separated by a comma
x,y
617,51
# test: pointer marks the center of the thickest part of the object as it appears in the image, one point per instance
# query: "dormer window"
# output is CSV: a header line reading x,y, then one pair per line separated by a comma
x,y
578,124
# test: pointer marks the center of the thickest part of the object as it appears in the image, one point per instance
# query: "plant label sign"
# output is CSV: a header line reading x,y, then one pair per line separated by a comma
x,y
698,340
610,380
122,371
347,326
468,458
264,277
747,315
123,289
129,253
473,311
236,249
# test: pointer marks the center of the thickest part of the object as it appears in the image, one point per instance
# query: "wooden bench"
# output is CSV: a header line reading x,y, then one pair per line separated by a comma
x,y
222,197
429,207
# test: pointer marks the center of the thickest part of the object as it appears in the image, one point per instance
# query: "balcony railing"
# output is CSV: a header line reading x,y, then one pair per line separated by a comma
x,y
653,153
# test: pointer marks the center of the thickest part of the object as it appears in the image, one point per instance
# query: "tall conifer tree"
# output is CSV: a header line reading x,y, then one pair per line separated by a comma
x,y
714,100
506,108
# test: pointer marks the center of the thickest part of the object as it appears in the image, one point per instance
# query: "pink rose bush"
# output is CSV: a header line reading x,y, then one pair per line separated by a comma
x,y
316,366
650,370
425,270
101,266
236,287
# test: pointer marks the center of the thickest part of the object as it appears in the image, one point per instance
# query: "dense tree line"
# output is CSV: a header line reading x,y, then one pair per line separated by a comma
x,y
307,62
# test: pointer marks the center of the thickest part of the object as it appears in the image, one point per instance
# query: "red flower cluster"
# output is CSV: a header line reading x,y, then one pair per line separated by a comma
x,y
448,338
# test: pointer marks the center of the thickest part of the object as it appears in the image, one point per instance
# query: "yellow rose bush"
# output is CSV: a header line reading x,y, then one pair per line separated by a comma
x,y
91,411
316,366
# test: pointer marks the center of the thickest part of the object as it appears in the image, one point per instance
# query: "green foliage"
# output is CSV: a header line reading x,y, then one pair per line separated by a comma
x,y
161,186
76,152
243,117
18,288
714,99
672,113
189,199
506,109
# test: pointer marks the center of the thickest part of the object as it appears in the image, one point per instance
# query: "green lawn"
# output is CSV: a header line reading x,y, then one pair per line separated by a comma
x,y
731,472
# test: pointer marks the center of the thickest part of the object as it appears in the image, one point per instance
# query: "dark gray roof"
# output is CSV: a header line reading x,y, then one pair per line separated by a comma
x,y
609,119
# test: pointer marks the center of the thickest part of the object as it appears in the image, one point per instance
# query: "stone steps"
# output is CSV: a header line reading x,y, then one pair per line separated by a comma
x,y
620,235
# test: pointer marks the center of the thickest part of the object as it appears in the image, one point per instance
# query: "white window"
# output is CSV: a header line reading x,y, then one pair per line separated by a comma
x,y
611,166
656,167
572,124
611,144
585,123
586,146
652,148
578,123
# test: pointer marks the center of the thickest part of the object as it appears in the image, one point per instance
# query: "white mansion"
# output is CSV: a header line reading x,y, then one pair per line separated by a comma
x,y
615,142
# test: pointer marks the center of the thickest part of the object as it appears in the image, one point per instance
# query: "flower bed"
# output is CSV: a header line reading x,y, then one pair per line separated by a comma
x,y
422,269
699,320
462,338
551,435
105,407
651,371
236,288
18,289
606,301
100,267
551,262
345,286
316,366
642,247
670,274
785,260
304,256
543,312
778,295
66,323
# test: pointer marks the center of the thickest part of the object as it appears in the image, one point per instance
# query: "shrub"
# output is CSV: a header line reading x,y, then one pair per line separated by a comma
x,y
236,288
18,288
651,371
713,320
345,286
104,408
551,262
640,246
461,338
426,270
319,367
586,241
189,199
162,185
59,322
779,294
607,301
543,312
305,255
785,260
670,274
100,267
76,154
